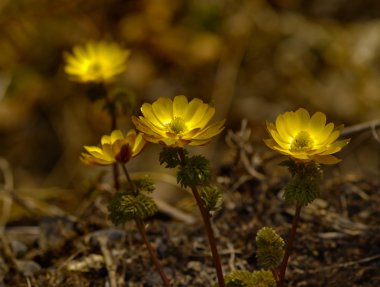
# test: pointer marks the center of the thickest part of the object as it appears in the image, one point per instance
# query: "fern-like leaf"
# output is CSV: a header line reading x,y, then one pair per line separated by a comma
x,y
212,198
243,278
124,207
196,172
270,248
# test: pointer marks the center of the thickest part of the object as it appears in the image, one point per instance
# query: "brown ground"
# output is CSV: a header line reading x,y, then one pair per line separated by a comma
x,y
338,240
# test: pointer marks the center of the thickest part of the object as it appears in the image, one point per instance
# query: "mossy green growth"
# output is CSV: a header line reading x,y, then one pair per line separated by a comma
x,y
195,172
124,207
304,185
243,278
270,248
144,184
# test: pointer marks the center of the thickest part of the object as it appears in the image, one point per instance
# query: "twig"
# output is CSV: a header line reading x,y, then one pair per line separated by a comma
x,y
346,264
362,127
110,265
7,188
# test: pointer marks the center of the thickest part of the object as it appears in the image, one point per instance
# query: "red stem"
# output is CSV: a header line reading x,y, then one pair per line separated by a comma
x,y
289,246
206,220
141,227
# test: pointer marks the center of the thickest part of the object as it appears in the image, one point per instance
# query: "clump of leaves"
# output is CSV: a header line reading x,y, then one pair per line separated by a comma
x,y
270,248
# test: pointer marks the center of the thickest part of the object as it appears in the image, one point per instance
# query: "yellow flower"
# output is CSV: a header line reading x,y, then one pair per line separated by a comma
x,y
177,122
305,138
96,62
114,148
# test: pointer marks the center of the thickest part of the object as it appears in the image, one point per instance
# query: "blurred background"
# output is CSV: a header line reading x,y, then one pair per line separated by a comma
x,y
251,59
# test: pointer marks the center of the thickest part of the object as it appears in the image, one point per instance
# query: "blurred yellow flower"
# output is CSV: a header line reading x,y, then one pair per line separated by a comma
x,y
96,62
305,138
177,122
114,148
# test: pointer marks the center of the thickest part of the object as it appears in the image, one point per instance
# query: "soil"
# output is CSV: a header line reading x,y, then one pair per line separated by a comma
x,y
337,244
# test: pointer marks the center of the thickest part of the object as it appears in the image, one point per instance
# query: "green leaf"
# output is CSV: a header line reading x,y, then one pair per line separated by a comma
x,y
304,186
212,197
196,172
144,184
243,278
170,157
124,207
270,248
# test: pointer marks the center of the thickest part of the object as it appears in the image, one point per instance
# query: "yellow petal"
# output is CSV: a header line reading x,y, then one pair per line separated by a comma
x,y
282,129
87,159
273,132
147,112
326,159
116,135
94,150
210,131
292,123
317,124
105,140
140,143
179,106
199,142
163,109
303,118
201,116
325,133
193,106
130,138
271,143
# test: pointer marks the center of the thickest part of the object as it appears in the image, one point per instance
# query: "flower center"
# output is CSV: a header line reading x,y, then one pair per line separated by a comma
x,y
302,142
177,125
95,68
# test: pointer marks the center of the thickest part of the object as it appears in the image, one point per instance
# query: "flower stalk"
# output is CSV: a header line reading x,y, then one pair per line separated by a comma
x,y
141,228
206,220
289,246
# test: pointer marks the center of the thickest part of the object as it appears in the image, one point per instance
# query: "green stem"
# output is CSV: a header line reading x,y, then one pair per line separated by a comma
x,y
206,220
141,227
289,246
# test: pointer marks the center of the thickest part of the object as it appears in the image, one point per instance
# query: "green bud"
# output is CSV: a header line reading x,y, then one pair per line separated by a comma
x,y
124,207
245,278
270,248
304,186
240,278
263,278
144,184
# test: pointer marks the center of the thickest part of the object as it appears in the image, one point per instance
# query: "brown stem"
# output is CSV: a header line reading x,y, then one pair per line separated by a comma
x,y
141,227
289,246
206,220
115,171
130,182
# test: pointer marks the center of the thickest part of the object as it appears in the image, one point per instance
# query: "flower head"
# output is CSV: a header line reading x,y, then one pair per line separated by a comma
x,y
114,148
96,62
305,138
177,122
